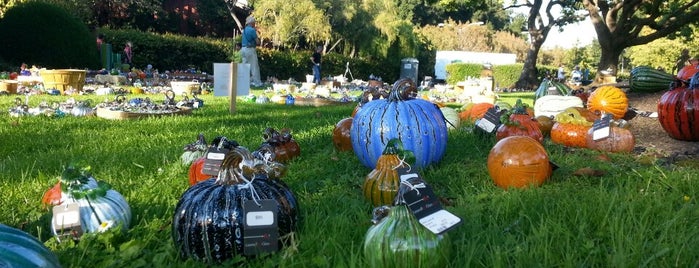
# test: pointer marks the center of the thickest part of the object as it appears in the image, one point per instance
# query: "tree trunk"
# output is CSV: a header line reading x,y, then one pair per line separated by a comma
x,y
528,79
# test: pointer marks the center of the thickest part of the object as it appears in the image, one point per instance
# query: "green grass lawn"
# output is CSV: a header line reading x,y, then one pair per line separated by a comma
x,y
638,214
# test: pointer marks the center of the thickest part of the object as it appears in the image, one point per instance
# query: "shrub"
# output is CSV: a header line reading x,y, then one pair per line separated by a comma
x,y
44,34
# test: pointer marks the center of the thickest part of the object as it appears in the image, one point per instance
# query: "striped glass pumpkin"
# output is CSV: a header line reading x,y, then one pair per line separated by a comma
x,y
20,249
608,99
381,184
418,123
101,207
208,224
678,112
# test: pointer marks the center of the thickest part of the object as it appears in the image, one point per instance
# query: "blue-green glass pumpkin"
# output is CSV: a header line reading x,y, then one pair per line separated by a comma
x,y
417,123
101,208
20,249
208,224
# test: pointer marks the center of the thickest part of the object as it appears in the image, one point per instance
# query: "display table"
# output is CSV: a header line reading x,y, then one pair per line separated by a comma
x,y
111,79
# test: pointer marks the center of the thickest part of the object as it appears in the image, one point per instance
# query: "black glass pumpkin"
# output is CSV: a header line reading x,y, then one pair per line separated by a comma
x,y
208,224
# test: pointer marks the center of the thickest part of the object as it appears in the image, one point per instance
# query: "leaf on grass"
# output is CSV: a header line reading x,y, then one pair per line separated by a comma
x,y
604,157
589,172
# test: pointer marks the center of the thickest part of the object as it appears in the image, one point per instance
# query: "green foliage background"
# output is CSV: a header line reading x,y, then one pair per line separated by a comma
x,y
46,35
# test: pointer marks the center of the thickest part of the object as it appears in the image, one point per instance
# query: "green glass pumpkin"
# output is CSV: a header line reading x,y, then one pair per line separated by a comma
x,y
399,240
101,208
20,249
208,224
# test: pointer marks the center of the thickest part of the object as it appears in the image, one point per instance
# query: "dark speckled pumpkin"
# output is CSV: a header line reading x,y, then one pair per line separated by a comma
x,y
208,222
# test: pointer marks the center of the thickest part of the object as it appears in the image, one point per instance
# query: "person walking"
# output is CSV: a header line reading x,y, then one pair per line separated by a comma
x,y
250,40
315,59
128,53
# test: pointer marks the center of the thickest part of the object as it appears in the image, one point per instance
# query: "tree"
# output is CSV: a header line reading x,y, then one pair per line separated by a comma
x,y
620,24
290,23
539,24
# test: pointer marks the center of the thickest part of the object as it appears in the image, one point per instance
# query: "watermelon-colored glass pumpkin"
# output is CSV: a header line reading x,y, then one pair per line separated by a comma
x,y
208,224
285,147
608,99
518,122
194,151
620,140
570,128
397,239
451,116
418,123
678,112
101,208
20,249
341,134
518,161
381,184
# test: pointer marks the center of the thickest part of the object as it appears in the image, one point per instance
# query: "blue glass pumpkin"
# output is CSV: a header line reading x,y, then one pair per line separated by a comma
x,y
417,123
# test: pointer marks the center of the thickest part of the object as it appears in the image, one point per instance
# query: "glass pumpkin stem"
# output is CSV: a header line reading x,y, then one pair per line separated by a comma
x,y
403,89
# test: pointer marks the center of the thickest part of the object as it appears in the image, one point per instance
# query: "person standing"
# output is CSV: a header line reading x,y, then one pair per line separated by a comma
x,y
561,76
315,59
250,40
128,53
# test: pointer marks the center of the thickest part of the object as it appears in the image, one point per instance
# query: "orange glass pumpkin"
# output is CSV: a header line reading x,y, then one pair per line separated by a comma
x,y
570,128
341,135
474,111
196,173
381,184
518,161
608,99
619,140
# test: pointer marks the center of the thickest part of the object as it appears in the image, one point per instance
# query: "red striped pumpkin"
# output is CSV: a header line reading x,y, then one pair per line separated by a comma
x,y
678,112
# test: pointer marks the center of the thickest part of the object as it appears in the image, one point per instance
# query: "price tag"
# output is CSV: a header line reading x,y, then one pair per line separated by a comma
x,y
66,221
425,205
601,127
214,158
490,120
260,231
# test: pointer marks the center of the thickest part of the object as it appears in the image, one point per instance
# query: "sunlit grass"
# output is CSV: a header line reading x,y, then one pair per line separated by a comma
x,y
637,214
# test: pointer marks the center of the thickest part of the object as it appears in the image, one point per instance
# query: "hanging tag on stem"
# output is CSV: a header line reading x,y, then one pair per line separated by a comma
x,y
261,234
425,205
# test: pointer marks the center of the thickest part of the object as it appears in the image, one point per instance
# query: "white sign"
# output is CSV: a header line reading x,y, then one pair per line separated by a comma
x,y
222,79
443,58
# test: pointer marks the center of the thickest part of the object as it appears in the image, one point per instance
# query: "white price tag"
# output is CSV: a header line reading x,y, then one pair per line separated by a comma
x,y
486,125
440,221
66,215
601,133
215,156
259,218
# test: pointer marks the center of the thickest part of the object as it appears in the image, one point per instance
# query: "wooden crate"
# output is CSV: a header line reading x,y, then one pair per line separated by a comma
x,y
63,79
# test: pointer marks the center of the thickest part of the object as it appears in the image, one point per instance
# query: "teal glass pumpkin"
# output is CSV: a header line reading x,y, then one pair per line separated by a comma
x,y
417,123
208,224
20,249
101,208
